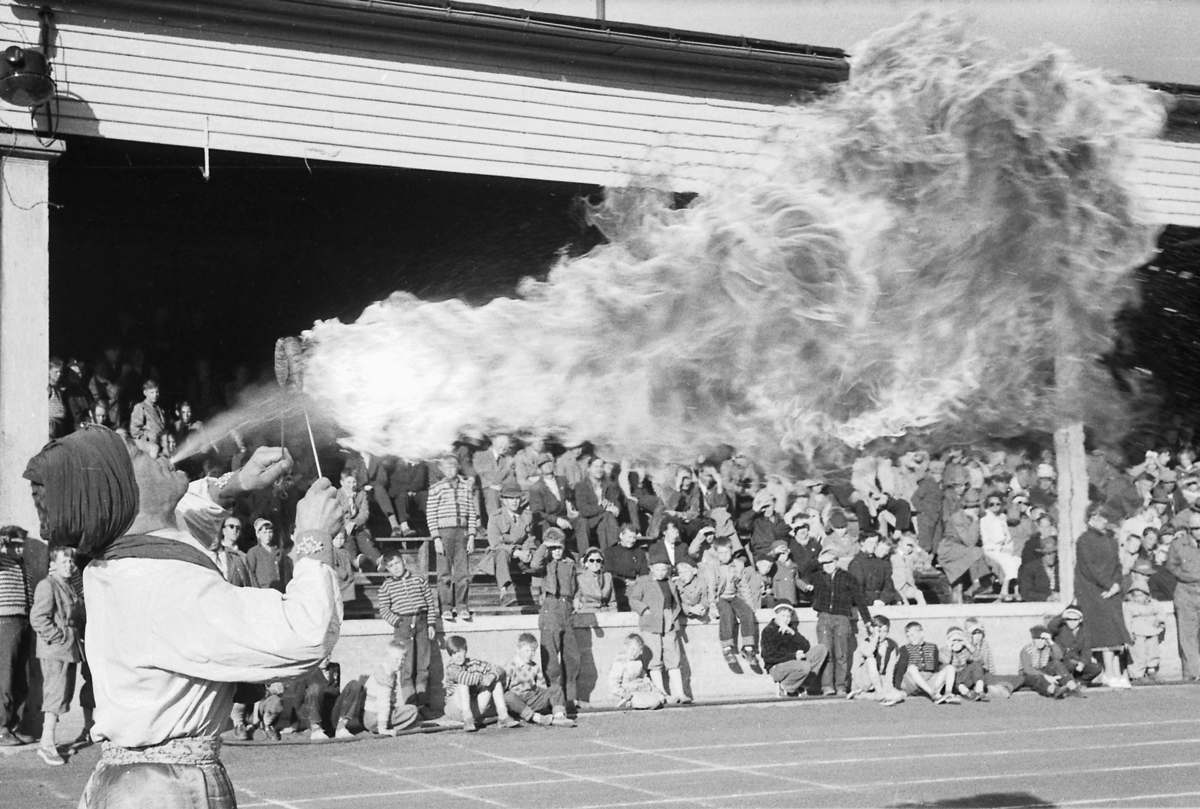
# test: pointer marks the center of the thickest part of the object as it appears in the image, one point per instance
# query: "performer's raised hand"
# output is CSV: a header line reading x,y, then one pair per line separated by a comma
x,y
319,510
266,465
318,517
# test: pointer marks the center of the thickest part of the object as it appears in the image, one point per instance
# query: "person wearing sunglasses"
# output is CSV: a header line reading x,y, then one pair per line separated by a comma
x,y
594,585
997,544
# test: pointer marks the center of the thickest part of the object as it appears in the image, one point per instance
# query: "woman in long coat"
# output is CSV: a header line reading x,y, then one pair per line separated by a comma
x,y
1098,594
959,553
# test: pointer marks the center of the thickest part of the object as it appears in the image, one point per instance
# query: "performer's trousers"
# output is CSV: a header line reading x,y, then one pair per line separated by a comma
x,y
122,781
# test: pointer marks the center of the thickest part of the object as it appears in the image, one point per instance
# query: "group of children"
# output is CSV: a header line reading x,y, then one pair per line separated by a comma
x,y
964,669
885,670
646,675
890,672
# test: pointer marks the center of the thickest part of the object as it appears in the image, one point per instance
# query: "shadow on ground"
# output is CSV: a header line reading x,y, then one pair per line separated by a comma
x,y
985,800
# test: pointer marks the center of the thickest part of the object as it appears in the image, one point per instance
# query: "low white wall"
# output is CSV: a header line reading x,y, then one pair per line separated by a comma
x,y
494,638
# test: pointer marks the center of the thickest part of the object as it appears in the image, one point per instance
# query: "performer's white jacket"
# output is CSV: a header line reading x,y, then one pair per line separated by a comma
x,y
167,640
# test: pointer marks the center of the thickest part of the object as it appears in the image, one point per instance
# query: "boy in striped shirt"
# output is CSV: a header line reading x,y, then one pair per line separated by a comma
x,y
473,688
15,598
406,603
453,520
926,673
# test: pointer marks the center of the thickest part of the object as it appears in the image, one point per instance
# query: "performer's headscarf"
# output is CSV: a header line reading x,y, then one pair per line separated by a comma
x,y
84,489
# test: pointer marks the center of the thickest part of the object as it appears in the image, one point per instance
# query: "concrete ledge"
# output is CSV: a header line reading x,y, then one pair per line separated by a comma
x,y
708,678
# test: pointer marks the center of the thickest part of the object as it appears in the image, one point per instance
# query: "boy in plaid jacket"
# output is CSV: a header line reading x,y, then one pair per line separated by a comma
x,y
527,692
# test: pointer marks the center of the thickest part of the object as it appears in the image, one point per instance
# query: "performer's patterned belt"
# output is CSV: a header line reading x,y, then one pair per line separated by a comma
x,y
194,751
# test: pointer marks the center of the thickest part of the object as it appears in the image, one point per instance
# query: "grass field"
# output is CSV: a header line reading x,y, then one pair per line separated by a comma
x,y
1138,748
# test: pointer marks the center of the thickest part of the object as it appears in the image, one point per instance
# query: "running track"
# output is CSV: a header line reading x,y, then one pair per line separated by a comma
x,y
1139,748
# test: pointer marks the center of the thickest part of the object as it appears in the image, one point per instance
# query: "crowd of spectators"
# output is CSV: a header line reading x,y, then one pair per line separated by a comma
x,y
714,540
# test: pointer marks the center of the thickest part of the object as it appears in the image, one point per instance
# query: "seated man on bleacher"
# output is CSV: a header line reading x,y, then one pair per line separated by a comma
x,y
353,500
509,537
408,487
597,500
550,498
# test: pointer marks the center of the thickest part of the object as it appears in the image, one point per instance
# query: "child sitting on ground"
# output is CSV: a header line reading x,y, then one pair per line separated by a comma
x,y
56,617
879,665
968,672
788,656
981,652
384,710
270,708
627,678
301,703
1042,667
528,692
1145,624
926,673
471,688
736,617
375,702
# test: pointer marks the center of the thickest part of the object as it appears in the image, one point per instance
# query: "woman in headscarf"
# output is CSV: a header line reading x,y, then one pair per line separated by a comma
x,y
167,639
1098,591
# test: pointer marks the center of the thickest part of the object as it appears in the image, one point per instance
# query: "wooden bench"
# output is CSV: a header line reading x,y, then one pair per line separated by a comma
x,y
484,596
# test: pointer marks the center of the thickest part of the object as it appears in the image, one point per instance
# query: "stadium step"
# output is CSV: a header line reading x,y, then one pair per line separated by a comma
x,y
484,596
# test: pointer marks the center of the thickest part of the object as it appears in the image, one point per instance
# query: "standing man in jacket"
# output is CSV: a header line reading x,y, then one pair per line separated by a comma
x,y
835,597
560,649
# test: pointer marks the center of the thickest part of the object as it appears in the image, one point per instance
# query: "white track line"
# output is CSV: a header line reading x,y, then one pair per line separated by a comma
x,y
658,798
971,753
593,779
429,787
712,767
354,797
747,769
916,736
1087,801
740,797
736,796
268,801
703,767
1160,796
872,785
399,792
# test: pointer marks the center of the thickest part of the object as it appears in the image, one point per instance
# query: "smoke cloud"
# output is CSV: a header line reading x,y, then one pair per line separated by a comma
x,y
890,266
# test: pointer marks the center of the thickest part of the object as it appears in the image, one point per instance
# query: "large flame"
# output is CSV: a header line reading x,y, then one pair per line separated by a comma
x,y
890,267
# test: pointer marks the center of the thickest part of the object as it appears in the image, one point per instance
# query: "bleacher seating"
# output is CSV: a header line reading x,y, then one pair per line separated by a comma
x,y
484,598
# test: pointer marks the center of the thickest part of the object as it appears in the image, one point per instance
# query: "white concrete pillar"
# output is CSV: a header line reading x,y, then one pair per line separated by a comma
x,y
24,316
